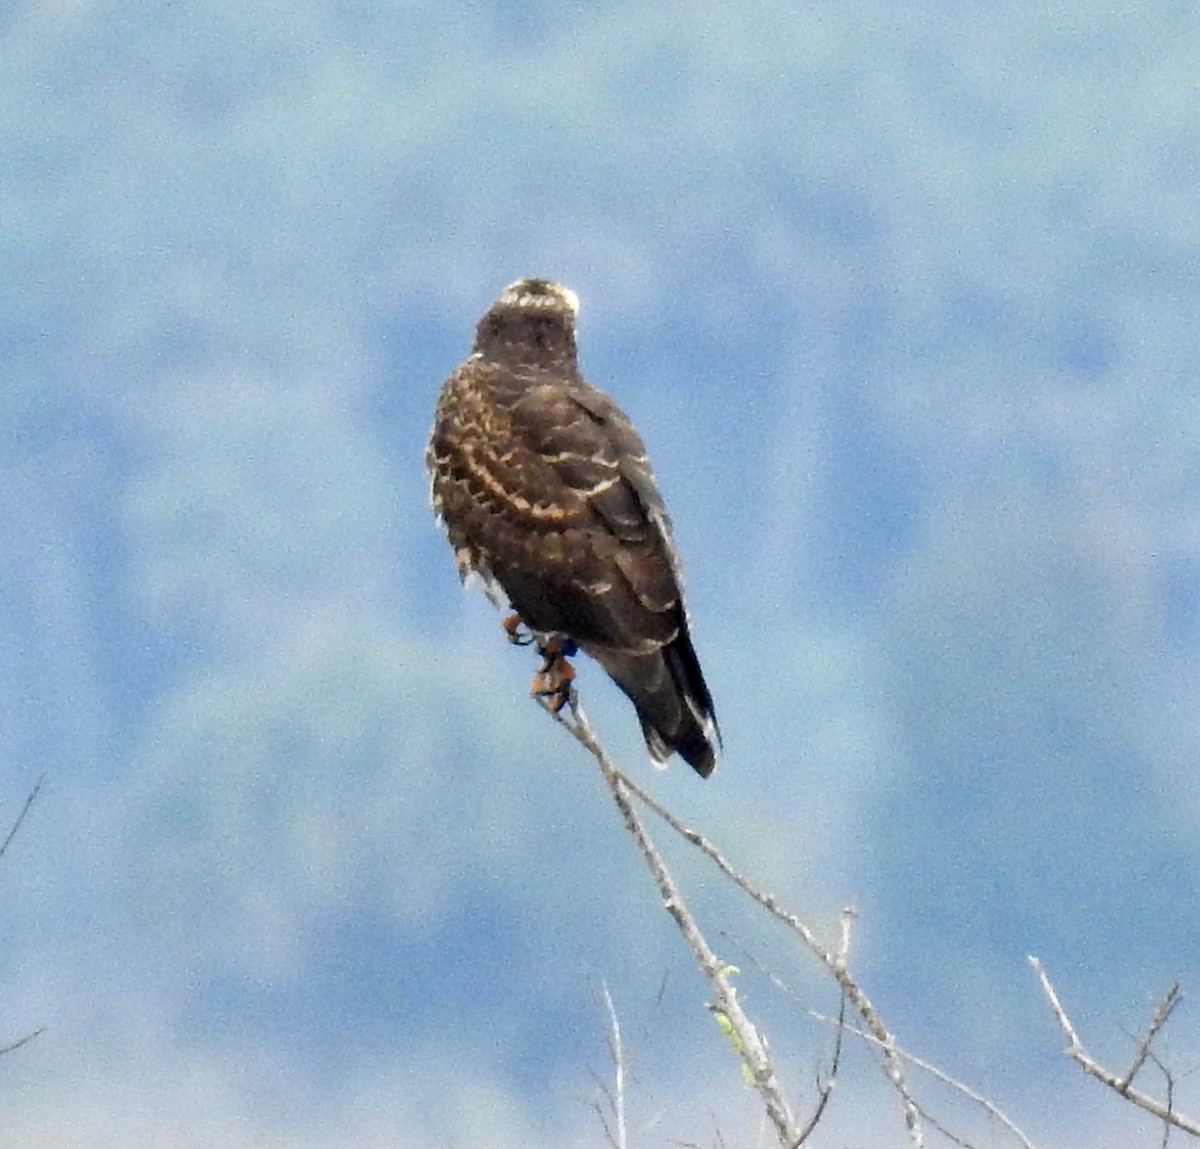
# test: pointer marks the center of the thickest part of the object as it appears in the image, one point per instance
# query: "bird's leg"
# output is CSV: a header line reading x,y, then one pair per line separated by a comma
x,y
554,680
512,626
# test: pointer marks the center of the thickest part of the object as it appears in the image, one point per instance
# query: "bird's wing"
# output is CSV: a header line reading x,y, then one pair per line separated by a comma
x,y
594,452
645,645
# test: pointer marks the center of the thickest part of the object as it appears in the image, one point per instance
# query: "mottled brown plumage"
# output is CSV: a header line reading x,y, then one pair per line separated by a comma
x,y
546,492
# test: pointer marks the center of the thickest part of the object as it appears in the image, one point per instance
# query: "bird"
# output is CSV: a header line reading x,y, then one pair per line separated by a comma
x,y
546,493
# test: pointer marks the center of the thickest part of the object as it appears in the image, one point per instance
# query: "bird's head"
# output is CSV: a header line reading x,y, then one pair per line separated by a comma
x,y
531,323
540,296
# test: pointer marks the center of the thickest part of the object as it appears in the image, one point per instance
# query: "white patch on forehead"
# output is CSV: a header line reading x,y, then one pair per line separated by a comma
x,y
541,295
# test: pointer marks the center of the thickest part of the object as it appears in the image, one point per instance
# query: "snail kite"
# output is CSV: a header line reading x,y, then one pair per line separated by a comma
x,y
547,494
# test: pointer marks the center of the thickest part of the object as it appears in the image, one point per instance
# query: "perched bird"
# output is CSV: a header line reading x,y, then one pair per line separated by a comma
x,y
546,492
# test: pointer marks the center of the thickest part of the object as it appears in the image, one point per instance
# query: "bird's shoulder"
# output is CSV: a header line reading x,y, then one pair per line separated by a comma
x,y
554,430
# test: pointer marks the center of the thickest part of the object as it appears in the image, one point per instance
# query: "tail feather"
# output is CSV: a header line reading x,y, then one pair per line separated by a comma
x,y
672,700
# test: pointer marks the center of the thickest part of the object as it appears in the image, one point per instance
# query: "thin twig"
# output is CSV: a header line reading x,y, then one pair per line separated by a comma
x,y
849,914
1173,997
1169,1078
599,1109
825,1088
752,1050
1091,1066
989,1107
12,833
835,963
617,1099
20,1041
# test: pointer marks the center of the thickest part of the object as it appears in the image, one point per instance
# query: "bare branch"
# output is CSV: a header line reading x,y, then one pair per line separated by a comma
x,y
1169,1078
20,1041
849,914
989,1107
825,1089
12,833
600,1111
1173,997
1121,1085
835,963
751,1048
617,1098
8,838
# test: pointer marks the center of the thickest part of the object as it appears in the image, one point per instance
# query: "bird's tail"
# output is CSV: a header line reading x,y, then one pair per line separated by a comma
x,y
672,700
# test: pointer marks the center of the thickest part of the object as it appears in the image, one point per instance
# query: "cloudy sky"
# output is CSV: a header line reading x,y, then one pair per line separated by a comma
x,y
904,304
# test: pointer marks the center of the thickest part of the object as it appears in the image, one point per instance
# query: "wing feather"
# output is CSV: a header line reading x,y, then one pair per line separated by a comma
x,y
599,457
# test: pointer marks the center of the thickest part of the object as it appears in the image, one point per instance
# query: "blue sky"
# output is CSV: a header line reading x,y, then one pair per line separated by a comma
x,y
903,304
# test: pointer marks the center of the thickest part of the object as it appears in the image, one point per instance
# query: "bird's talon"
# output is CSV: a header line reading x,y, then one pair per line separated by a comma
x,y
513,627
554,681
560,699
